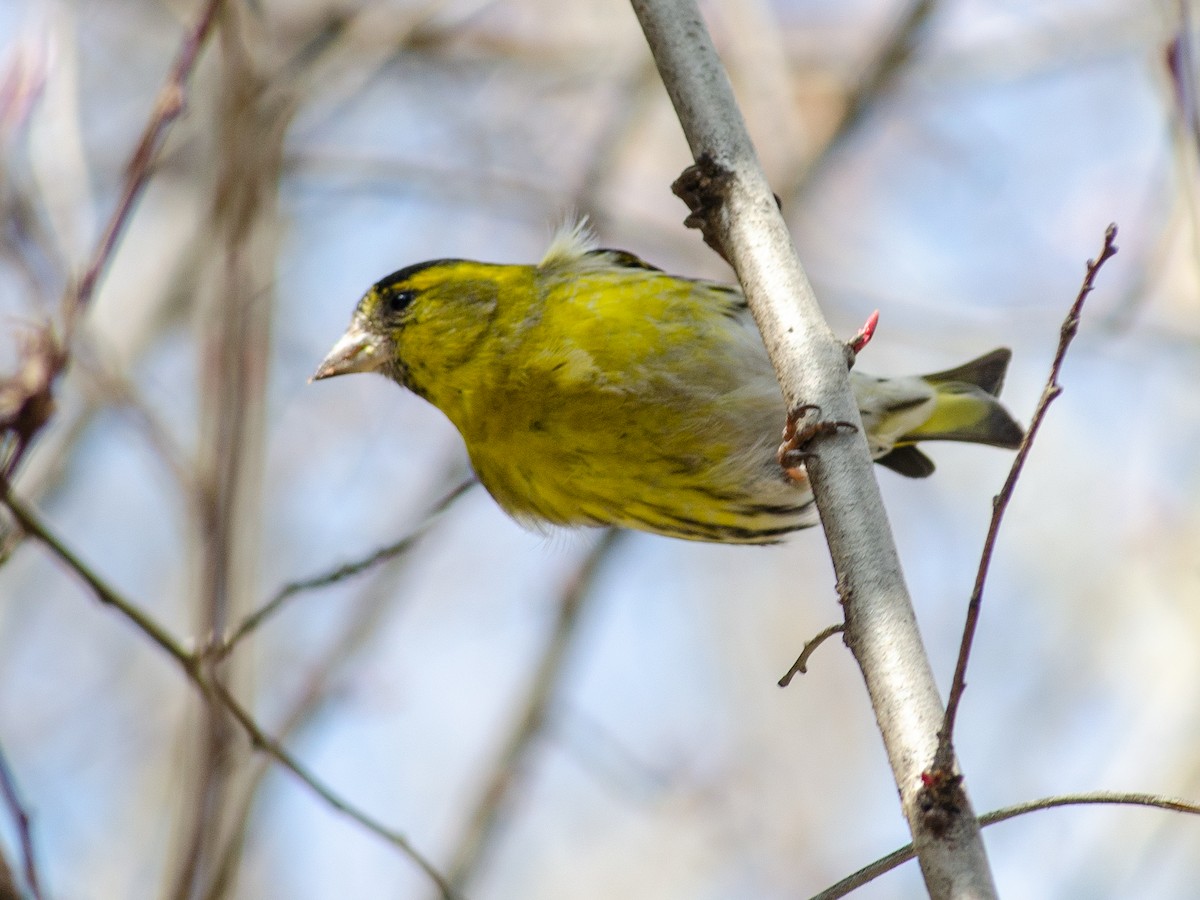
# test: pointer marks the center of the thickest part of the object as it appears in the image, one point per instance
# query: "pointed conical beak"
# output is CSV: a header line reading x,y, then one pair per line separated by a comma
x,y
358,350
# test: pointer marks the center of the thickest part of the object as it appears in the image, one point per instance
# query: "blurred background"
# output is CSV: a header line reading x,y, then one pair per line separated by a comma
x,y
564,714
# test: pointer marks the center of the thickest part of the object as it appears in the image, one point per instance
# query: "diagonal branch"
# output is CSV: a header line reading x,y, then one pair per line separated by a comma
x,y
195,672
884,69
942,761
543,691
27,397
881,630
168,107
342,572
21,819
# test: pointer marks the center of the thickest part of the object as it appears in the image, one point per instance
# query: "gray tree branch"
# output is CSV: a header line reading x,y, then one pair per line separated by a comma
x,y
810,363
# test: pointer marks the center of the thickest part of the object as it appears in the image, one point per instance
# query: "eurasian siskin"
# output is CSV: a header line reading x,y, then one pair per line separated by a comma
x,y
595,389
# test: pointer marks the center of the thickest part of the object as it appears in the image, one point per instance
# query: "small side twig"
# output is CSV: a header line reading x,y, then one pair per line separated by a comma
x,y
942,760
21,819
1109,798
800,666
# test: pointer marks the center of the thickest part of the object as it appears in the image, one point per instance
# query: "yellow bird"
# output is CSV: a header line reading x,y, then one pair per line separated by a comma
x,y
595,389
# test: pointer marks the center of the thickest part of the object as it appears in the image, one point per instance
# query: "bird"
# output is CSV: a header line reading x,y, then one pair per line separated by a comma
x,y
594,388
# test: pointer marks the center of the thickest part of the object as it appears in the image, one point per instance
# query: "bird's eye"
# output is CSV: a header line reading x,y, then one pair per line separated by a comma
x,y
397,301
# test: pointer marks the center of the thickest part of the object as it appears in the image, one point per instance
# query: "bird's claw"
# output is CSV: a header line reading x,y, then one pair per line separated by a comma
x,y
797,440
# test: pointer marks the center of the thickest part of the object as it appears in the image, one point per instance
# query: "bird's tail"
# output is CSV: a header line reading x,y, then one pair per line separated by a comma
x,y
966,410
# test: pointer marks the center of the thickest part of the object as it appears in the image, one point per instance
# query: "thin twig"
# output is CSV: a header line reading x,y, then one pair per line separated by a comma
x,y
267,744
33,527
1109,798
27,396
313,698
167,108
341,572
544,688
21,819
942,760
800,666
191,667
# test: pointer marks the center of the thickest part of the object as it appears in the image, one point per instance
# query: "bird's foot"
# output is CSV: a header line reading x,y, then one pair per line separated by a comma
x,y
796,448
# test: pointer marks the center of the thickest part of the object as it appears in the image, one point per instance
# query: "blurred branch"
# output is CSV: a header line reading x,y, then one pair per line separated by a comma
x,y
884,69
341,573
190,664
544,688
21,820
614,138
734,205
109,387
33,527
1183,69
168,107
314,696
942,761
250,121
26,398
904,854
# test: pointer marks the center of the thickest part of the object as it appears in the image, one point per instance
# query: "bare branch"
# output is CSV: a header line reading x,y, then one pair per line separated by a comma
x,y
27,397
267,744
170,104
33,527
1107,798
882,72
942,761
354,629
191,667
810,363
21,819
543,690
341,572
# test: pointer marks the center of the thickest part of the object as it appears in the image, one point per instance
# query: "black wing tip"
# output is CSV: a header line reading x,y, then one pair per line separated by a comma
x,y
986,372
908,461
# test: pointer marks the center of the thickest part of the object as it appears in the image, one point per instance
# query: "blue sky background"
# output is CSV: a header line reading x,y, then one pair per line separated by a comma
x,y
963,208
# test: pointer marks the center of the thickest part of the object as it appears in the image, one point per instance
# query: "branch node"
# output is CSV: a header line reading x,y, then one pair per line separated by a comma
x,y
703,187
940,800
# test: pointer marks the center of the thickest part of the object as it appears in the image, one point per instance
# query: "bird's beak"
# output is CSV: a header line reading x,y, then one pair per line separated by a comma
x,y
356,351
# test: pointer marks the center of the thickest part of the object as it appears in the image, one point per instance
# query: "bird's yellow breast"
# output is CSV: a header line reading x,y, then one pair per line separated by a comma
x,y
627,396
